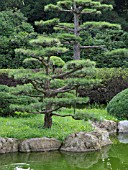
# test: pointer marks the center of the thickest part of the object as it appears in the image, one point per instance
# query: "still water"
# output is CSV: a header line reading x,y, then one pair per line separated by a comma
x,y
114,157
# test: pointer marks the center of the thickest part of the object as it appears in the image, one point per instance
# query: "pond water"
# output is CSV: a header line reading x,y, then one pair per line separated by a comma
x,y
114,157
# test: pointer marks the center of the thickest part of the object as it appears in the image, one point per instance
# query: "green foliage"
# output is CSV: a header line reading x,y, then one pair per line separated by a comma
x,y
5,100
73,38
10,103
31,63
113,81
57,61
15,32
116,58
100,25
44,24
82,115
90,113
43,93
112,39
118,106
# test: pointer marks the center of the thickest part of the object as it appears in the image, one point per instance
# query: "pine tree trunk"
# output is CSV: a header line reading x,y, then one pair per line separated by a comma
x,y
76,46
76,49
47,121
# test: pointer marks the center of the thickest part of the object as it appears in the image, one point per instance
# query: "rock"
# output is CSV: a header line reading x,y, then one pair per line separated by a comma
x,y
8,145
82,141
39,144
123,126
103,137
107,125
123,138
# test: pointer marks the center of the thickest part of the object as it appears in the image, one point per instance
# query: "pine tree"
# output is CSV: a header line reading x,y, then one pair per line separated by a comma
x,y
47,90
71,31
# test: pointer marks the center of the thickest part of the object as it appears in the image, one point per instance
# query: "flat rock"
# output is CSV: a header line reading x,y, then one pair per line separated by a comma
x,y
82,141
39,144
108,125
123,126
8,145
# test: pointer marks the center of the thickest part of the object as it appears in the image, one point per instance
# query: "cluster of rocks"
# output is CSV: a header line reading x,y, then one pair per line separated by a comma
x,y
77,142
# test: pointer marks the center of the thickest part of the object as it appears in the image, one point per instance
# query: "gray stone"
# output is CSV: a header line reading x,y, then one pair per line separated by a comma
x,y
123,138
123,126
108,125
8,145
39,144
103,137
82,141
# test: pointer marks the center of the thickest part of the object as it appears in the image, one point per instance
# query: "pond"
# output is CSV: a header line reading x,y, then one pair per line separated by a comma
x,y
114,157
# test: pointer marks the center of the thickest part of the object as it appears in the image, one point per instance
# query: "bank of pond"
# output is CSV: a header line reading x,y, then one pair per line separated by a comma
x,y
111,157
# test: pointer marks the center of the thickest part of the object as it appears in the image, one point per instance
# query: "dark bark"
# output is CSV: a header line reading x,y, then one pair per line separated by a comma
x,y
47,120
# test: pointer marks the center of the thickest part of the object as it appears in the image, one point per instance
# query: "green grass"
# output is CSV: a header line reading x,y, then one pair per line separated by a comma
x,y
31,127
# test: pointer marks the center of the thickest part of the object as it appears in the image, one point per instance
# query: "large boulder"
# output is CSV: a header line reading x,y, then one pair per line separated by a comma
x,y
8,145
123,126
103,137
82,141
39,144
108,125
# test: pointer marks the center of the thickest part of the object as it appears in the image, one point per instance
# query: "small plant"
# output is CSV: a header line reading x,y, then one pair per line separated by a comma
x,y
118,106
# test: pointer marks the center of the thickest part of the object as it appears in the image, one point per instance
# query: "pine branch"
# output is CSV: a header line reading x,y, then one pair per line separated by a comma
x,y
63,75
42,61
68,42
35,86
66,28
51,110
35,95
62,89
66,10
96,46
54,114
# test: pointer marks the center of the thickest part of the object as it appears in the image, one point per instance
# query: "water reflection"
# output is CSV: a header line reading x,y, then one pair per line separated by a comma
x,y
113,157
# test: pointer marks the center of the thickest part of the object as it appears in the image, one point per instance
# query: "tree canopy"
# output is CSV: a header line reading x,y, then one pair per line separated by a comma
x,y
50,88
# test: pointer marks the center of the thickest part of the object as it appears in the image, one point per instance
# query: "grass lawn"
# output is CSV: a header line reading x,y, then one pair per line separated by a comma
x,y
31,127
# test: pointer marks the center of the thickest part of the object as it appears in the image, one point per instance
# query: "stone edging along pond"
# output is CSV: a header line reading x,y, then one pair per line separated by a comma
x,y
77,142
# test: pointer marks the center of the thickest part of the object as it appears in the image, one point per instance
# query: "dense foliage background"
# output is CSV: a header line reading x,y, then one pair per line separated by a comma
x,y
17,19
17,27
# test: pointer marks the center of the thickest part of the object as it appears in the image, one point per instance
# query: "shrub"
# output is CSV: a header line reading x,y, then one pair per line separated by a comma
x,y
118,106
114,80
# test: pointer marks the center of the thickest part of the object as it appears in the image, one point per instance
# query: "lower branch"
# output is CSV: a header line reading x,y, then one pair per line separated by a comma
x,y
96,46
50,110
54,114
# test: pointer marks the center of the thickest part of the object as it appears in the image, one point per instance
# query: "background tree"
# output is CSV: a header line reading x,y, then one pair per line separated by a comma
x,y
113,39
76,9
48,89
14,32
